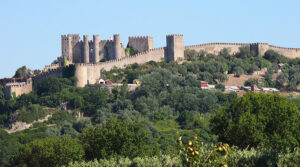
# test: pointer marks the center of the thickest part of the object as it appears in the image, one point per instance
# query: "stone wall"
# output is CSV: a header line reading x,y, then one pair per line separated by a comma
x,y
51,67
90,73
288,52
57,73
259,48
215,48
17,88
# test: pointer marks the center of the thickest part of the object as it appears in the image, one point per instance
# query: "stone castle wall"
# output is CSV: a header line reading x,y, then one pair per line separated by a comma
x,y
17,88
57,73
259,48
215,48
90,73
288,52
51,67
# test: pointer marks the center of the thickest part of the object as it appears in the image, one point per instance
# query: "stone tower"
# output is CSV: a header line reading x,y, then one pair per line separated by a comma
x,y
175,48
96,40
86,49
141,44
259,48
69,47
117,46
66,46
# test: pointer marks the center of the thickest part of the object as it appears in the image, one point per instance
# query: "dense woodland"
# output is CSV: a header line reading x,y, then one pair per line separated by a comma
x,y
167,121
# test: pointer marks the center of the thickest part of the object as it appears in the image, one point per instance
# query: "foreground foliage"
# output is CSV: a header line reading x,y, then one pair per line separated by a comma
x,y
268,120
156,161
116,137
49,152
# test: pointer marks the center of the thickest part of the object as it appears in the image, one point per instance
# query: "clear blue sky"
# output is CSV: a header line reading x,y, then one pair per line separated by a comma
x,y
30,29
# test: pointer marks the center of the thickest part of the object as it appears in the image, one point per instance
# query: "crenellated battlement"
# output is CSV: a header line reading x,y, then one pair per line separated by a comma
x,y
17,88
172,35
139,37
217,43
19,84
51,66
279,47
48,73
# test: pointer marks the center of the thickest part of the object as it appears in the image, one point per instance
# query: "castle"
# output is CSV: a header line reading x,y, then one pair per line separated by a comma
x,y
87,54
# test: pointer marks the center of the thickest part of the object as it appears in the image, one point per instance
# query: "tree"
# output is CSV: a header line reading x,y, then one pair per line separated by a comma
x,y
238,71
258,119
22,72
52,85
245,52
190,55
116,137
130,51
82,124
187,119
220,87
252,68
48,152
1,93
251,82
275,57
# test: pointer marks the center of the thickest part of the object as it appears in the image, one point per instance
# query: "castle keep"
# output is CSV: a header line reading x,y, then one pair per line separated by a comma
x,y
75,50
87,54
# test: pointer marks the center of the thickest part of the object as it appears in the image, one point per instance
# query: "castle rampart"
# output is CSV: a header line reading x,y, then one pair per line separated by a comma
x,y
57,73
258,48
17,88
51,67
215,48
90,73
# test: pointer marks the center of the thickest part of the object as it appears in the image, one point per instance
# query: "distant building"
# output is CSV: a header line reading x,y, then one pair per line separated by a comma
x,y
204,85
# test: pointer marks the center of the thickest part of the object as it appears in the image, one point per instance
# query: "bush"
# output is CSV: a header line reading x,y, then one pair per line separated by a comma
x,y
251,82
275,57
31,113
186,119
49,152
52,85
60,116
116,137
221,87
163,161
195,153
259,119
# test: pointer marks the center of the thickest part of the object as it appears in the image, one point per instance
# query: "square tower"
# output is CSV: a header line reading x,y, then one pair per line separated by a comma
x,y
175,48
141,43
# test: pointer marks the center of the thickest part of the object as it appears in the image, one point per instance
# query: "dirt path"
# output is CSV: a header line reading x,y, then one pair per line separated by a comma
x,y
20,126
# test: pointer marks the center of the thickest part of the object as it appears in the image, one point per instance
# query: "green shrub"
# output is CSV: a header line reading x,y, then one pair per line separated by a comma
x,y
31,113
259,119
116,137
195,153
251,82
49,152
156,161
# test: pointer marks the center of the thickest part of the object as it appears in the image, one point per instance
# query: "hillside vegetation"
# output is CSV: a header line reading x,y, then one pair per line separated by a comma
x,y
167,121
